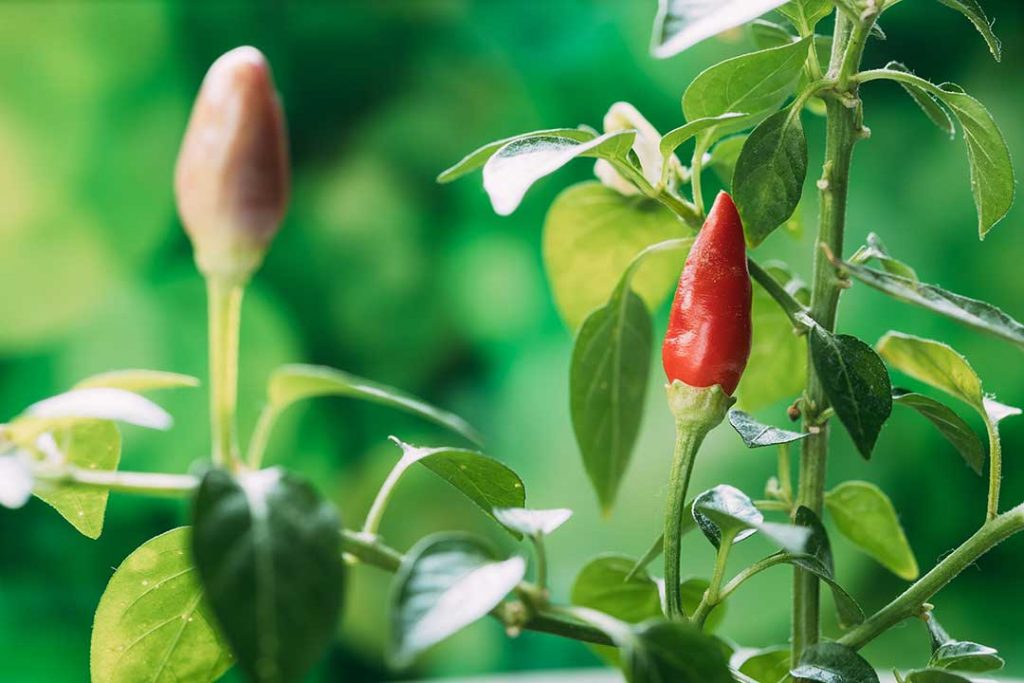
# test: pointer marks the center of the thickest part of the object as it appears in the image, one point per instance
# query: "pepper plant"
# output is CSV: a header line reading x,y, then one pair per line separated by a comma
x,y
257,580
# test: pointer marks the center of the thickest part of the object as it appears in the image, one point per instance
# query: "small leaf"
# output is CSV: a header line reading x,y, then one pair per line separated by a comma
x,y
805,14
99,404
971,312
15,480
477,158
866,516
268,552
591,235
607,384
680,24
153,622
756,434
934,676
675,138
966,656
769,175
605,584
532,522
950,425
92,445
755,83
138,380
446,582
973,11
770,665
725,511
833,663
291,383
674,651
875,249
856,383
514,168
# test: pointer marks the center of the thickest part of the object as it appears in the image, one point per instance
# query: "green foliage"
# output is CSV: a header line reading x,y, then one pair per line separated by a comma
x,y
833,663
726,514
769,665
950,425
973,11
805,14
966,656
866,516
756,434
661,650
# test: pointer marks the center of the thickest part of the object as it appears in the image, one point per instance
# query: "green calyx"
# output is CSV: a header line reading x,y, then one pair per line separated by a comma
x,y
697,408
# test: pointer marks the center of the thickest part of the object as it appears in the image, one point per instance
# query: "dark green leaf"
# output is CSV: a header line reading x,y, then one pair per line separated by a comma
x,y
268,553
818,545
818,561
934,676
834,663
973,11
681,24
756,434
856,383
446,582
966,656
770,665
673,652
769,175
936,634
866,516
725,511
532,522
477,158
607,384
291,383
950,425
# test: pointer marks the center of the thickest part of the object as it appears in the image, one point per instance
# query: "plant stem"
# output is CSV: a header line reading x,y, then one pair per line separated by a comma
x,y
541,557
995,468
225,304
843,131
260,436
751,571
910,602
711,595
688,441
380,503
145,483
796,311
785,473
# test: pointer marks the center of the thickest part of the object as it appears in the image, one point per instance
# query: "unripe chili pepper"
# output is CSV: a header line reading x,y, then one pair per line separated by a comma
x,y
232,180
708,338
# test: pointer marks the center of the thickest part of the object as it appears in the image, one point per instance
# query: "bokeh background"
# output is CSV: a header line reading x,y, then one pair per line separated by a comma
x,y
382,272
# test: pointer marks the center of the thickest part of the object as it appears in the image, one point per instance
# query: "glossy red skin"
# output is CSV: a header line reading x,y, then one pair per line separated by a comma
x,y
708,338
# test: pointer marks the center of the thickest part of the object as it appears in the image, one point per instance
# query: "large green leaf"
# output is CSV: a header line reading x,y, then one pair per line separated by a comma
x,y
138,380
833,663
770,665
661,651
268,551
153,622
755,83
973,11
291,383
756,434
950,425
769,175
514,168
93,445
726,512
866,516
446,582
856,383
591,235
960,655
681,24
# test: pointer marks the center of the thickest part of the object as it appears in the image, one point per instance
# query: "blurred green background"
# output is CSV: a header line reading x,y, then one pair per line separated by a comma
x,y
383,273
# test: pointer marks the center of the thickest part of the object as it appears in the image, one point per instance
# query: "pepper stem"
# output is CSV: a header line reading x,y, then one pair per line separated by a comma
x,y
225,304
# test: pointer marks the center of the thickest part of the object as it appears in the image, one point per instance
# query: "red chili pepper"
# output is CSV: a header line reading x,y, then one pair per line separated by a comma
x,y
708,338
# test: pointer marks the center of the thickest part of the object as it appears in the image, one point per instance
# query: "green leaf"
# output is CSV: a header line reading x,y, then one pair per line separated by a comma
x,y
138,380
973,11
446,582
875,249
934,363
934,676
291,383
605,584
661,651
16,479
805,14
971,312
769,34
726,512
95,404
607,385
757,434
966,656
928,103
153,622
818,561
856,383
833,663
92,445
769,665
591,235
510,172
866,516
676,137
769,175
487,482
477,158
532,522
724,156
950,425
268,552
756,83
681,24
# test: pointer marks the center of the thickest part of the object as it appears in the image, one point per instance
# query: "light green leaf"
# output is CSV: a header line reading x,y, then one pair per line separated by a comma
x,y
770,665
446,582
153,622
532,522
676,137
268,553
856,383
950,425
960,655
591,235
605,584
757,434
138,380
93,445
477,158
291,383
755,83
769,175
973,11
805,14
96,404
681,24
866,516
769,34
833,663
875,249
510,172
726,512
934,363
